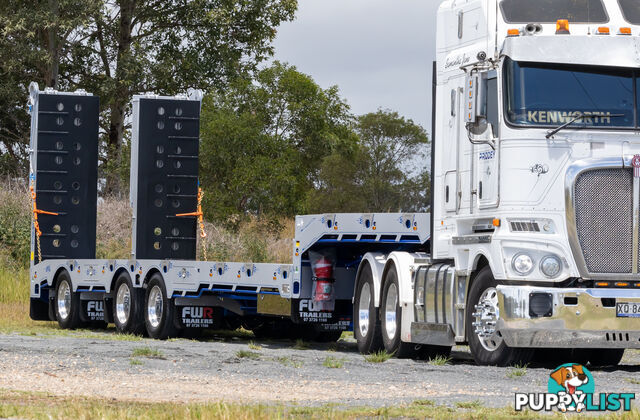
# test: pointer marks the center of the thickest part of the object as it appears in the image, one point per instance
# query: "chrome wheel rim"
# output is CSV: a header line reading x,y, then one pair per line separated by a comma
x,y
363,309
154,306
486,317
123,303
390,309
64,299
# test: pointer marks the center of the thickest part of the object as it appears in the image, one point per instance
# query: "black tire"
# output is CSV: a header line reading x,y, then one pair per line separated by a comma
x,y
603,357
428,352
328,336
391,319
67,312
131,321
498,353
554,357
367,335
159,316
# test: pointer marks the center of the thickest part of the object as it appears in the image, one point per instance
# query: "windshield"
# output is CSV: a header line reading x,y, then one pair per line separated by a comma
x,y
548,95
631,10
549,11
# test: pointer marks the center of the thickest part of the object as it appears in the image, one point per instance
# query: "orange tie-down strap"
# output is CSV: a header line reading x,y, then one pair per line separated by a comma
x,y
199,214
37,211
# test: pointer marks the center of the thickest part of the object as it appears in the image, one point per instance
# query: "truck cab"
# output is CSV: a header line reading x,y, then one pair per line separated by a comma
x,y
537,171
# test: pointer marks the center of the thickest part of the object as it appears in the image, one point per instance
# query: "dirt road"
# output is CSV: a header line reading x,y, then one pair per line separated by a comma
x,y
228,369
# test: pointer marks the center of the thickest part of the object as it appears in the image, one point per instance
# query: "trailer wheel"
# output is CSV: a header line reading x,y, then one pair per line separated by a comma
x,y
159,310
366,324
391,317
486,343
128,307
67,303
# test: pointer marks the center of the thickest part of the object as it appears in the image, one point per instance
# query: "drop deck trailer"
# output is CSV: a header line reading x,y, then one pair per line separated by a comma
x,y
162,288
536,240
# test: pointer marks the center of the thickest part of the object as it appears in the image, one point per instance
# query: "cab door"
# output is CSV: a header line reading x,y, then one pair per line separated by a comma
x,y
487,185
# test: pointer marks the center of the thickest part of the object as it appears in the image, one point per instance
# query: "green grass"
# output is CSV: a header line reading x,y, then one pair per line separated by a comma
x,y
333,362
633,381
254,346
288,361
425,403
470,405
517,371
33,405
246,354
440,360
147,352
14,284
135,362
301,345
380,356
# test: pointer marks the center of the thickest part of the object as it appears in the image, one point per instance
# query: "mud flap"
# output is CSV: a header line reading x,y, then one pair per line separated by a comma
x,y
199,317
39,309
92,310
304,312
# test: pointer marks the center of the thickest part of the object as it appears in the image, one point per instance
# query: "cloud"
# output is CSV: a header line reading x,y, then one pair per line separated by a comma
x,y
379,52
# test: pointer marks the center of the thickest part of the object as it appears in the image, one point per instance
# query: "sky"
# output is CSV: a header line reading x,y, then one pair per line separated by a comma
x,y
379,52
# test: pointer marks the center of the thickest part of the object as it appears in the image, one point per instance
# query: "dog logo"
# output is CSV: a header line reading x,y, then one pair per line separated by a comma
x,y
571,380
571,388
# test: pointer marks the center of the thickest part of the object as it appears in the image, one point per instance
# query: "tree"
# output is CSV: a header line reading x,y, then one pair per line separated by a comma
x,y
263,142
388,173
33,46
116,48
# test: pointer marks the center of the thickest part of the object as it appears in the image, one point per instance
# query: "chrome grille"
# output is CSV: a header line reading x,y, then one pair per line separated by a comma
x,y
604,219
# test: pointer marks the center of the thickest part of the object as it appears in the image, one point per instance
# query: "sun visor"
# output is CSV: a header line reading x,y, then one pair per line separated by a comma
x,y
600,50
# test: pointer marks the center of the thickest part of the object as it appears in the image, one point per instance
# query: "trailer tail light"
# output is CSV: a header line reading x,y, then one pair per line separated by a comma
x,y
513,32
562,27
625,31
603,30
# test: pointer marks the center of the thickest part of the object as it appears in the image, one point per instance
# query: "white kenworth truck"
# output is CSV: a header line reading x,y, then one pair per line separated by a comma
x,y
532,242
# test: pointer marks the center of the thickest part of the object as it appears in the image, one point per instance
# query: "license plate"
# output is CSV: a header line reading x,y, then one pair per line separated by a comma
x,y
628,310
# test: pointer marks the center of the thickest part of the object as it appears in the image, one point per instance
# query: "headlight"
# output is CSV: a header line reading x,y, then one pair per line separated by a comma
x,y
551,266
523,264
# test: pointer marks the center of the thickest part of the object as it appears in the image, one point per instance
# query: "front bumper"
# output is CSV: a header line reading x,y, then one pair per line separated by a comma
x,y
580,318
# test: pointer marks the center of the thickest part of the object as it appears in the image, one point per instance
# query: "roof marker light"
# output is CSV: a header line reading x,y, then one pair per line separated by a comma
x,y
603,30
562,27
625,31
513,32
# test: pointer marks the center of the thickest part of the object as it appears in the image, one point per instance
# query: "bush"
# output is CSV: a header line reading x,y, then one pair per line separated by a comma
x,y
15,224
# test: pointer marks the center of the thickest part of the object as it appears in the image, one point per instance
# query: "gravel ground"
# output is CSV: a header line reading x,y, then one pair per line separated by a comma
x,y
199,371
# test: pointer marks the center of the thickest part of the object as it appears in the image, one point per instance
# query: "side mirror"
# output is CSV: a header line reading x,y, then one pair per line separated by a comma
x,y
476,97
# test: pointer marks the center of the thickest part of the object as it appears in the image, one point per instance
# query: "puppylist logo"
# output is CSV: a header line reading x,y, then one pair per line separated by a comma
x,y
571,388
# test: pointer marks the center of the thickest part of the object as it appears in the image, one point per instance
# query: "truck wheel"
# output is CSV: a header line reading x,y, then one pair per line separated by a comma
x,y
128,307
328,336
160,311
486,343
603,357
67,303
391,317
366,324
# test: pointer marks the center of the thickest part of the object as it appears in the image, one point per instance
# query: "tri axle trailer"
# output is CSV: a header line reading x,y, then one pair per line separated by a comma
x,y
531,242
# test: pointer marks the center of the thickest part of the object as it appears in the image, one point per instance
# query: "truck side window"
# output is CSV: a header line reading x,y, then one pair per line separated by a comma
x,y
453,102
492,104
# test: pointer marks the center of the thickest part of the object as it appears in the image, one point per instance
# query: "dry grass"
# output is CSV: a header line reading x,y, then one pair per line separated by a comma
x,y
39,405
253,242
113,229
